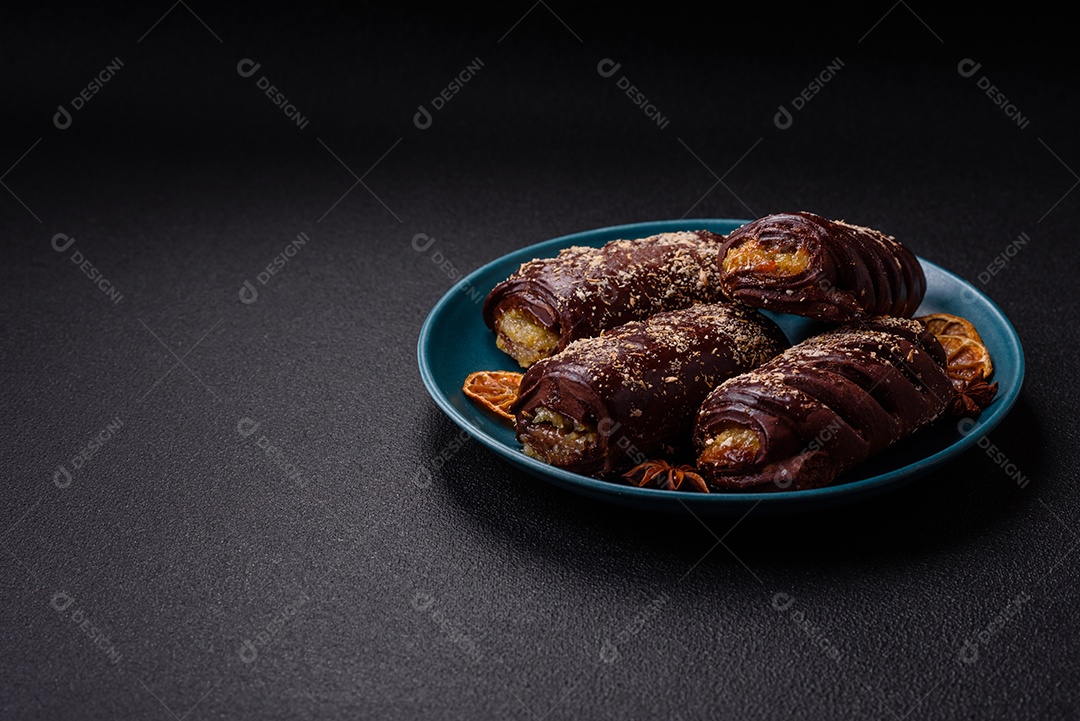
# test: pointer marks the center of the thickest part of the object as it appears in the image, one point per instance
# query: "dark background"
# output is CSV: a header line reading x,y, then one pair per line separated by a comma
x,y
368,588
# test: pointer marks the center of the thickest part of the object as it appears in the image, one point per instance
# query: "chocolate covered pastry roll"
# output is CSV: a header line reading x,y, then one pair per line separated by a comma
x,y
803,264
549,302
610,402
822,406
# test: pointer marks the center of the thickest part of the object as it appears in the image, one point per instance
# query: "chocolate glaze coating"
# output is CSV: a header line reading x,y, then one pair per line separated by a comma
x,y
584,291
641,383
854,272
828,403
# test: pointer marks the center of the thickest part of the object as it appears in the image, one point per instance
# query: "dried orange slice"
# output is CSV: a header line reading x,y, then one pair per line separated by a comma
x,y
494,390
945,324
968,359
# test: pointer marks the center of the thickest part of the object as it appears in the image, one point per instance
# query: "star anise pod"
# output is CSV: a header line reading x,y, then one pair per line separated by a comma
x,y
973,399
670,477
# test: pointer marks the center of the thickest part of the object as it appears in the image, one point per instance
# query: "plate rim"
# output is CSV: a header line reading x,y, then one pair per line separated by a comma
x,y
811,497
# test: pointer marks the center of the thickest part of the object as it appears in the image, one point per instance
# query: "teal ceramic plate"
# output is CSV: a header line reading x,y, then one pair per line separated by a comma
x,y
455,342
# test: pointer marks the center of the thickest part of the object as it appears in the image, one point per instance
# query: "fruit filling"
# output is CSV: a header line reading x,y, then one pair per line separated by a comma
x,y
732,446
522,337
753,256
555,439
